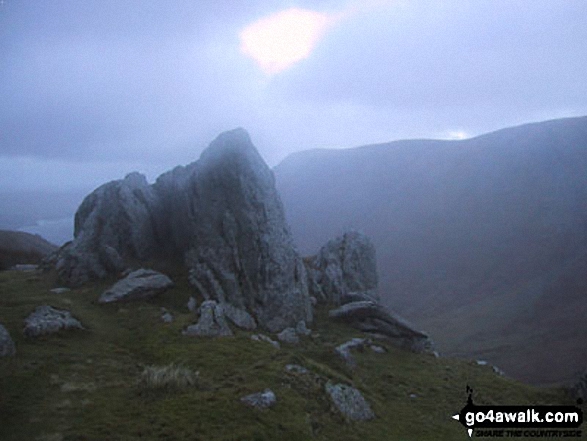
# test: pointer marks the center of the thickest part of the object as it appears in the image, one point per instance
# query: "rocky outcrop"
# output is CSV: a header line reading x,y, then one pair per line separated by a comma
x,y
7,347
48,320
369,316
345,269
350,402
211,323
220,215
241,250
139,284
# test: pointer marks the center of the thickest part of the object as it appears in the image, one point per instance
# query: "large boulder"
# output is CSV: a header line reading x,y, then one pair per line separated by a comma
x,y
345,269
48,320
220,215
369,316
7,347
113,224
139,284
350,402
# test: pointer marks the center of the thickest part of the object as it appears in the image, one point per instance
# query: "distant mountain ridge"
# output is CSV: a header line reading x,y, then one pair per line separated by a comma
x,y
481,241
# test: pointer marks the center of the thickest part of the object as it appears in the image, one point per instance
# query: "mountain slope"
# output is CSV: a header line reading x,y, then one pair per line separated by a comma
x,y
90,384
481,242
19,247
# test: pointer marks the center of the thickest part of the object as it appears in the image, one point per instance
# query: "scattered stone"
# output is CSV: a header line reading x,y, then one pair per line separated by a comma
x,y
350,402
166,316
239,317
344,350
260,400
59,290
436,354
371,317
47,320
481,362
211,323
301,329
289,336
25,267
413,396
378,349
262,337
7,347
192,304
140,284
343,266
296,369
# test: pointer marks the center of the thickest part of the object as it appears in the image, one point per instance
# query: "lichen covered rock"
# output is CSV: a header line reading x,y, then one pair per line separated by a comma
x,y
48,320
350,402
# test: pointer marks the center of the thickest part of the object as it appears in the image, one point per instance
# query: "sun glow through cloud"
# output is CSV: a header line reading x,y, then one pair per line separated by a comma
x,y
279,41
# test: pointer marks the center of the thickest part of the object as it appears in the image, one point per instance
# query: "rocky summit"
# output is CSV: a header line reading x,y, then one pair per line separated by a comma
x,y
220,215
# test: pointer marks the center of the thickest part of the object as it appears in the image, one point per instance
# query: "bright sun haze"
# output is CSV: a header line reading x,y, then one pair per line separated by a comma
x,y
279,41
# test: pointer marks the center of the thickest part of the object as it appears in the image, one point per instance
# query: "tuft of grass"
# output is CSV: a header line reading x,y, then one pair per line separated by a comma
x,y
170,377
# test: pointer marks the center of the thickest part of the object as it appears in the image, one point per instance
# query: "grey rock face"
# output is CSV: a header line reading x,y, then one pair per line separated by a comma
x,y
211,322
47,320
241,251
289,336
140,284
260,400
239,317
345,269
113,223
59,290
221,215
7,347
372,317
350,402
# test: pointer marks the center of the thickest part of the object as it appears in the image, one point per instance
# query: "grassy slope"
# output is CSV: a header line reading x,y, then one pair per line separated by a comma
x,y
84,385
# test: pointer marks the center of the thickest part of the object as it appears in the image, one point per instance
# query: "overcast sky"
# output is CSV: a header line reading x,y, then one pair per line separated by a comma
x,y
91,90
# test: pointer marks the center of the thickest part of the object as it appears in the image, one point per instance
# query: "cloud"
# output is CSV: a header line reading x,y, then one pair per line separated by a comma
x,y
279,41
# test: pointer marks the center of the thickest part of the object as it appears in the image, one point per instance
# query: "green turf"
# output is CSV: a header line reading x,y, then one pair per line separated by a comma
x,y
86,385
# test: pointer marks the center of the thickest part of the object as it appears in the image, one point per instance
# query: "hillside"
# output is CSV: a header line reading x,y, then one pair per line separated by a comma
x,y
90,384
17,247
482,242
